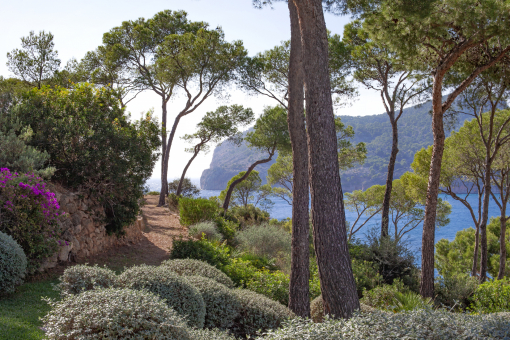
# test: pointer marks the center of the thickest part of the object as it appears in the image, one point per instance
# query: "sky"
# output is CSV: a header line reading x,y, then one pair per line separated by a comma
x,y
78,27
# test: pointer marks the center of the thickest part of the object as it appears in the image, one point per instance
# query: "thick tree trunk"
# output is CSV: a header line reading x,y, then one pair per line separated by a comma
x,y
328,216
502,243
179,188
385,217
164,169
429,223
226,203
299,300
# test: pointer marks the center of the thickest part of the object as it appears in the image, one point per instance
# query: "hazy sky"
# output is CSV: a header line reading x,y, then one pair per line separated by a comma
x,y
78,27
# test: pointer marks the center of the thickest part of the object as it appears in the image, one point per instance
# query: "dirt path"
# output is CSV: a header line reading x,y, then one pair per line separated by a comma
x,y
162,226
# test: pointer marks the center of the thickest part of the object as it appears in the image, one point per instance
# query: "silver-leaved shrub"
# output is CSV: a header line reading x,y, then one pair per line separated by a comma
x,y
79,278
13,264
190,267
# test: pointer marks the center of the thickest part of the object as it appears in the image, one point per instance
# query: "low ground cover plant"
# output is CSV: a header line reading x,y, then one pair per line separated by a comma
x,y
13,264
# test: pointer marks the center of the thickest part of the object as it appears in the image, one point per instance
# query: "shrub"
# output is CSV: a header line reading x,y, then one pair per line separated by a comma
x,y
264,240
13,264
194,210
93,145
274,285
221,304
77,279
173,202
249,215
418,324
153,193
188,189
203,250
29,213
383,297
189,267
179,294
492,296
207,229
240,271
113,314
409,301
455,291
258,313
366,275
226,228
210,334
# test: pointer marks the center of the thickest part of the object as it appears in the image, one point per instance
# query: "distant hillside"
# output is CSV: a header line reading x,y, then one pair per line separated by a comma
x,y
415,132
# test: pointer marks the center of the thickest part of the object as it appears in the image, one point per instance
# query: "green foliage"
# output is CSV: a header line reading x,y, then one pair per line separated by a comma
x,y
210,334
226,228
194,210
188,189
264,240
455,290
366,275
317,309
202,250
492,297
240,271
395,297
178,293
416,324
153,193
221,304
456,257
280,177
79,278
93,145
249,190
249,215
13,264
113,314
205,229
189,267
270,130
273,284
258,313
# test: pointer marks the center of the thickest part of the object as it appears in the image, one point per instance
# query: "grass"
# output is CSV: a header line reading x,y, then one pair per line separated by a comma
x,y
20,312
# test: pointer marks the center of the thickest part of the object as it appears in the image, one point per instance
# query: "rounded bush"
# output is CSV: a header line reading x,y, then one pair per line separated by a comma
x,y
210,334
13,264
77,279
190,267
179,294
113,314
221,305
265,240
258,313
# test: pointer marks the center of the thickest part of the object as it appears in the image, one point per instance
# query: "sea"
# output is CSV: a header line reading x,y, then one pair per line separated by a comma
x,y
459,218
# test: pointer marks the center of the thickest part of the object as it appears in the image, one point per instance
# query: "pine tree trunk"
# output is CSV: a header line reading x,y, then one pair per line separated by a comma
x,y
179,187
485,218
502,243
429,223
299,300
164,169
385,217
328,216
166,156
474,266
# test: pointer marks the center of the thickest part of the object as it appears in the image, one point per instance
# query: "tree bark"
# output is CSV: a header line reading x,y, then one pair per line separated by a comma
x,y
164,169
429,223
164,160
502,244
226,203
385,216
485,217
299,290
328,216
196,151
474,266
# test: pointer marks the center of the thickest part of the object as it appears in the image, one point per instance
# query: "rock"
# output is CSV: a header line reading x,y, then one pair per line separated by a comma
x,y
88,225
77,229
64,252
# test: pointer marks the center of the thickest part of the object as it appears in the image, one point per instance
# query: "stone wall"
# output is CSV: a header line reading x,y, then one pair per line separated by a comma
x,y
84,232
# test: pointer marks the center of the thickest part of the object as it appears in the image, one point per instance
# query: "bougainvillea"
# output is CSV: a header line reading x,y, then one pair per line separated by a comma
x,y
29,212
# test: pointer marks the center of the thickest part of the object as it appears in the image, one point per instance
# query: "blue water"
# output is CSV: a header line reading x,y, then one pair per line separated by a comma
x,y
459,217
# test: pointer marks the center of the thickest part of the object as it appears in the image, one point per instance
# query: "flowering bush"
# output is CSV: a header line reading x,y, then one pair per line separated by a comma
x,y
29,212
